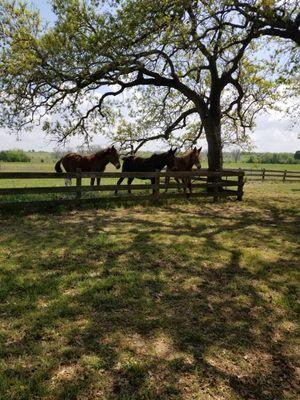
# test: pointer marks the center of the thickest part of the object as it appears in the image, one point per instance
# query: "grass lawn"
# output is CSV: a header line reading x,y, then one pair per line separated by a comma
x,y
187,300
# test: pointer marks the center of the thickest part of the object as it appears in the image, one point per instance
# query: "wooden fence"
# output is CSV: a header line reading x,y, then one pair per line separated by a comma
x,y
272,174
204,183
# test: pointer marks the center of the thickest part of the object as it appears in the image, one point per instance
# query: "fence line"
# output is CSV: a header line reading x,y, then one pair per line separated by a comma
x,y
228,182
174,174
271,174
215,184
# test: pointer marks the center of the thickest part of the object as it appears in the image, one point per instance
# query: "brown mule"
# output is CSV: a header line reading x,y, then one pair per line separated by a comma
x,y
93,163
185,163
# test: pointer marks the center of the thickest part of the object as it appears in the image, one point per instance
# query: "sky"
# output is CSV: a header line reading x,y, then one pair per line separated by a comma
x,y
273,132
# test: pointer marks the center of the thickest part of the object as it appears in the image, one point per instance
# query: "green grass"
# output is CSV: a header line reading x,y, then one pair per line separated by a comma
x,y
187,300
26,167
280,167
48,166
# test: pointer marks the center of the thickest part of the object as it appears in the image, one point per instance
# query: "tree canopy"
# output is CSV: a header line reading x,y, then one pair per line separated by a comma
x,y
188,68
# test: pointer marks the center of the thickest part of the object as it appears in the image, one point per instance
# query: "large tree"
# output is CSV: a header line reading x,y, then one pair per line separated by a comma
x,y
274,18
196,64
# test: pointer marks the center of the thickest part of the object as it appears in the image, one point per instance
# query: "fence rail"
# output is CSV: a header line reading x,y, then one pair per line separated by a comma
x,y
272,174
178,174
228,182
213,184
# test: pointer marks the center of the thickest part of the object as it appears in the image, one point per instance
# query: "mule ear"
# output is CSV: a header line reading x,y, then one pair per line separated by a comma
x,y
174,151
195,149
200,149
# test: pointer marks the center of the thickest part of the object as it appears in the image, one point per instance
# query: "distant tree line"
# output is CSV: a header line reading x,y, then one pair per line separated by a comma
x,y
14,156
235,155
272,158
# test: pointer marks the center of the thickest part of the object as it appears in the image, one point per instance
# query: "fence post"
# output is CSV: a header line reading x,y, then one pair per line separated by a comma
x,y
240,185
263,174
156,184
78,183
284,176
215,189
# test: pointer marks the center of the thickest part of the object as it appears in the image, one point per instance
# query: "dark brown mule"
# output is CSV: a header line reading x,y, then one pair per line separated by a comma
x,y
150,164
185,163
93,163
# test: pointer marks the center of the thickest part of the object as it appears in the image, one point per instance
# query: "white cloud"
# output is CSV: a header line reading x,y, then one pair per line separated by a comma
x,y
37,140
273,133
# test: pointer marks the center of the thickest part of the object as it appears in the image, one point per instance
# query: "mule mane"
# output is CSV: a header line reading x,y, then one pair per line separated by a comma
x,y
155,155
188,154
101,152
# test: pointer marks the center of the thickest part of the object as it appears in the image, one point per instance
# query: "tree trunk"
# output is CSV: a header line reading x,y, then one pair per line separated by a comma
x,y
213,137
212,127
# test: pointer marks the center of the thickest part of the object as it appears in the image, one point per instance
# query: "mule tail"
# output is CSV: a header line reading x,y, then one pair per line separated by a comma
x,y
58,167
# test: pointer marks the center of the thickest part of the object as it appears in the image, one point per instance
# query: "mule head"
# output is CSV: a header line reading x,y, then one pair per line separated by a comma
x,y
196,157
113,157
170,157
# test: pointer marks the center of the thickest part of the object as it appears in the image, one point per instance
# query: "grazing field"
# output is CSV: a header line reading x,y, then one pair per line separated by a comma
x,y
187,300
280,167
48,166
37,166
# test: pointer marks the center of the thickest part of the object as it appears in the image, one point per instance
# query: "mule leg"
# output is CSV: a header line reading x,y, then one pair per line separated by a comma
x,y
189,184
178,181
129,182
98,181
184,181
92,181
119,183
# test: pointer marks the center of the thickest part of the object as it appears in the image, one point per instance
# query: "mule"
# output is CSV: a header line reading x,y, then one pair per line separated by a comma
x,y
185,163
93,163
149,164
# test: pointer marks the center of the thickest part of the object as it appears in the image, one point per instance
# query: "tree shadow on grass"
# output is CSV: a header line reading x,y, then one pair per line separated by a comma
x,y
128,311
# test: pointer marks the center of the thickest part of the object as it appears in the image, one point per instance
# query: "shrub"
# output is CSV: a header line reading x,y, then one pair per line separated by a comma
x,y
252,159
272,158
14,156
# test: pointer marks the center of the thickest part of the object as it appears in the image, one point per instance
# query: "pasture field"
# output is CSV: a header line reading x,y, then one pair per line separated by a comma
x,y
185,300
37,166
278,167
49,167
